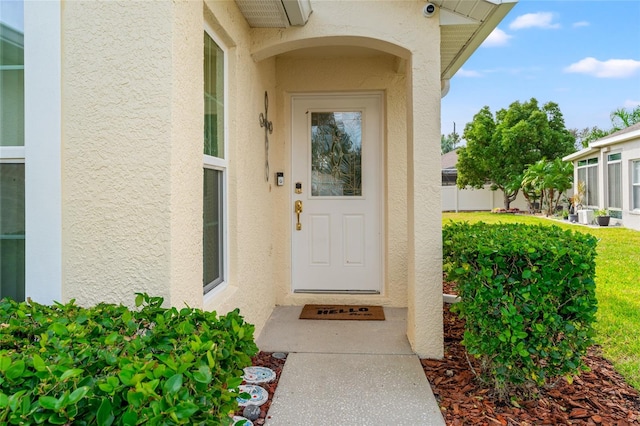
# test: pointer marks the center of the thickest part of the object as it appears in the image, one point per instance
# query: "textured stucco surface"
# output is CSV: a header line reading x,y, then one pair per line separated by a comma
x,y
412,188
132,151
373,73
117,113
250,197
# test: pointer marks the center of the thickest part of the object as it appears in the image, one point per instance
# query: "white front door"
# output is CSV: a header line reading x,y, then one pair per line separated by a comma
x,y
337,177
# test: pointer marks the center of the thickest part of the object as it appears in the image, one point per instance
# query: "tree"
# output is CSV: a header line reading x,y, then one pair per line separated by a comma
x,y
621,118
548,179
448,143
586,135
499,149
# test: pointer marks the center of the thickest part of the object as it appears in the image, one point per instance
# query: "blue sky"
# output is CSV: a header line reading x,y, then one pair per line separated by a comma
x,y
583,55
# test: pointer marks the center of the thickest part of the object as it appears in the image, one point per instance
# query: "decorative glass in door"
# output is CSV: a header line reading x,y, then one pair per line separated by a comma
x,y
336,154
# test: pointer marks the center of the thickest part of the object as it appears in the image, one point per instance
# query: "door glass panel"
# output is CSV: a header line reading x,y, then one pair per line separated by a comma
x,y
12,231
336,154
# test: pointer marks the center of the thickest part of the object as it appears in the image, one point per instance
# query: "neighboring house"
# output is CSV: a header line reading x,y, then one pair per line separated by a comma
x,y
110,186
610,169
469,199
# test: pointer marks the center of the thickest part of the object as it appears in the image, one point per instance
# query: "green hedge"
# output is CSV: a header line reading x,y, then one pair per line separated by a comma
x,y
528,298
105,365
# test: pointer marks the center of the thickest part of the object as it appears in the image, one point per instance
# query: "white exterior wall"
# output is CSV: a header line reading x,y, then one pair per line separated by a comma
x,y
630,152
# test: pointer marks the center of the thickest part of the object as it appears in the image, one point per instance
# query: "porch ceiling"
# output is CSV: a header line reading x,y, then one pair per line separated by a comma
x,y
464,24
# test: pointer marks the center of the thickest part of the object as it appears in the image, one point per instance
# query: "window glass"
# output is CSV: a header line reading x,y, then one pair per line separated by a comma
x,y
12,231
213,227
215,167
11,73
614,157
12,201
636,185
592,186
336,153
588,173
615,184
213,98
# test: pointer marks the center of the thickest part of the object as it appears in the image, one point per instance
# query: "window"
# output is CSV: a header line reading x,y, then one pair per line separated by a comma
x,y
12,195
588,173
614,184
449,177
215,166
636,185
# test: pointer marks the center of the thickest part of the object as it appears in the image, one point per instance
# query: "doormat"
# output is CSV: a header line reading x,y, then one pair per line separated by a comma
x,y
342,312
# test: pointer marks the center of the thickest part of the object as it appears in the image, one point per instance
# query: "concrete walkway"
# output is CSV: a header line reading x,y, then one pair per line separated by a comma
x,y
347,372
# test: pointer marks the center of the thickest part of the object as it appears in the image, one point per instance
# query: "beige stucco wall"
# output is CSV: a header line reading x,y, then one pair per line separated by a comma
x,y
412,203
250,214
116,124
377,72
132,155
132,151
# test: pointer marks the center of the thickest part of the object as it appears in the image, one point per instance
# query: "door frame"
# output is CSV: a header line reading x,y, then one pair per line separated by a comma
x,y
380,95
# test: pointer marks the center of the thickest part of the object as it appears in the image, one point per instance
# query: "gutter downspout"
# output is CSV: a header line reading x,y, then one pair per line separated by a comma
x,y
445,85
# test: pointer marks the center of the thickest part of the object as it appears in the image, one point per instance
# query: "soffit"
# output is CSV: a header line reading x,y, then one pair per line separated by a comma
x,y
464,25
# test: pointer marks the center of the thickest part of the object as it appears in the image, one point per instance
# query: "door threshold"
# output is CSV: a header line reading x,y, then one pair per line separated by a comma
x,y
337,291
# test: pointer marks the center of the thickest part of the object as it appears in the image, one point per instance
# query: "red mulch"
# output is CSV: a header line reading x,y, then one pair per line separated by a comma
x,y
598,397
449,287
265,359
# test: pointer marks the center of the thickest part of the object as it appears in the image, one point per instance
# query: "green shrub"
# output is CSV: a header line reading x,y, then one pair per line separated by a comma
x,y
528,298
105,365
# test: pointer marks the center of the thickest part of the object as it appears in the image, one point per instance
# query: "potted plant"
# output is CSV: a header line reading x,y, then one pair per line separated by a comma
x,y
573,214
565,214
602,217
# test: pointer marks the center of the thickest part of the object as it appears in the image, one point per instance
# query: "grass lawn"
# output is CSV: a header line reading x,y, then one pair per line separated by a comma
x,y
617,287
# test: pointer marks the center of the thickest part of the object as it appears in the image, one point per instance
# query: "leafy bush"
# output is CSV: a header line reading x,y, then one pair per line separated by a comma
x,y
528,298
105,365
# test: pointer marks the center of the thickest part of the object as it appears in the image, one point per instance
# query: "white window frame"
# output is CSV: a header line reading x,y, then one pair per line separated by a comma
x,y
41,152
586,168
609,162
634,185
221,164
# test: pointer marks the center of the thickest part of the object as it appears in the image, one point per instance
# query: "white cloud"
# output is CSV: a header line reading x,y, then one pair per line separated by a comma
x,y
631,104
581,24
468,73
534,20
613,68
497,38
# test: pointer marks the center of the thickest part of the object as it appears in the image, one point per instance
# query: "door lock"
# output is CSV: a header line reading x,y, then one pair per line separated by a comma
x,y
298,210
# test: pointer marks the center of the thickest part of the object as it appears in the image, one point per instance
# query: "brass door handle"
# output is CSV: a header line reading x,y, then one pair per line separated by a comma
x,y
298,210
